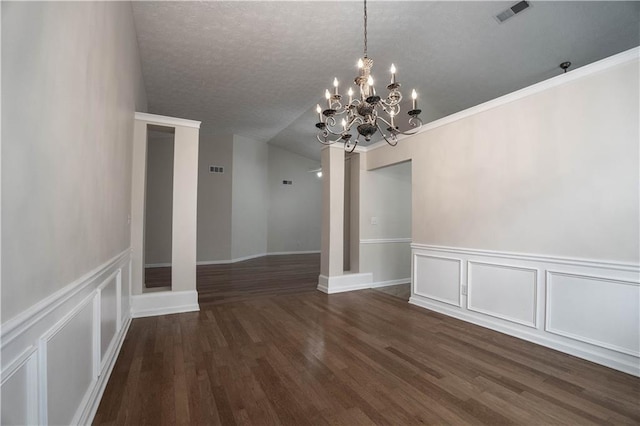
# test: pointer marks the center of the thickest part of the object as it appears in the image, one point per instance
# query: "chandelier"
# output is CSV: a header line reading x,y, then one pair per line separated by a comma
x,y
369,113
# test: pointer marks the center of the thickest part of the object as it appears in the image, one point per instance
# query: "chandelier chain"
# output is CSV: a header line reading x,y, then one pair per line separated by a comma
x,y
365,28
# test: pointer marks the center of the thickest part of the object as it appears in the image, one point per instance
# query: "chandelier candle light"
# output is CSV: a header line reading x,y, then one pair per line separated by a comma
x,y
365,112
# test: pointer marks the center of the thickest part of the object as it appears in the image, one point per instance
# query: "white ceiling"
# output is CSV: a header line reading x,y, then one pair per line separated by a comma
x,y
257,69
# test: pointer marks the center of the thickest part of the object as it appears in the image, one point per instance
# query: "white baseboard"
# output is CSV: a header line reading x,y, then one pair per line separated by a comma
x,y
284,253
346,282
157,265
390,282
494,324
164,303
253,256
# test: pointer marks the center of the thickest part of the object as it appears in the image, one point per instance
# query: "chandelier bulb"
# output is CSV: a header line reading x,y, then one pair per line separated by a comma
x,y
328,96
360,63
414,96
350,93
319,111
344,124
393,74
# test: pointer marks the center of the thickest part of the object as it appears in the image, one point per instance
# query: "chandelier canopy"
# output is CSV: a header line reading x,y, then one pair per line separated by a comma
x,y
369,113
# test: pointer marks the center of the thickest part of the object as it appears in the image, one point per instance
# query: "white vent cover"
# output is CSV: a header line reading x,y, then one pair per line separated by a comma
x,y
512,11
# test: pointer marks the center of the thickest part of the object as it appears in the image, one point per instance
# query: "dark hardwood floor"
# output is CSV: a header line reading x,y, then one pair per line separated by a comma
x,y
279,353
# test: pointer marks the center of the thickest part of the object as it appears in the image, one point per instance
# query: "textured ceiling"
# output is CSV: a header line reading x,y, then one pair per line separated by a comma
x,y
257,69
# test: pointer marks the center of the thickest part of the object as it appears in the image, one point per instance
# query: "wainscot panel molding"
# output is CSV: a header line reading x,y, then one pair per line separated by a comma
x,y
583,307
57,356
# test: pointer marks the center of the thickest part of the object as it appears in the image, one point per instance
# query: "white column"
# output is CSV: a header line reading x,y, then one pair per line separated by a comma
x,y
332,158
183,296
332,277
185,211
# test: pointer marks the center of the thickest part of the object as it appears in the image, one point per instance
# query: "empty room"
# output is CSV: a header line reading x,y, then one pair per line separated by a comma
x,y
320,212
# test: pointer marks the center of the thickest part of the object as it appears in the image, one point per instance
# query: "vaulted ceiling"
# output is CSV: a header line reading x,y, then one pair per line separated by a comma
x,y
258,69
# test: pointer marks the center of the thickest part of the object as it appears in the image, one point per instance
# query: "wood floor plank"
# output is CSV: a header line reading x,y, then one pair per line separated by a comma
x,y
266,348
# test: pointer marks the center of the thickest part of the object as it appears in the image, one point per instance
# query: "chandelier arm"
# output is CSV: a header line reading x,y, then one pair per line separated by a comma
x,y
325,141
416,123
395,141
329,131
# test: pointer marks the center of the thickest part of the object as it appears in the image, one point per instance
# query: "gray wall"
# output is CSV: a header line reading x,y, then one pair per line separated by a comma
x,y
295,211
552,173
158,198
71,82
246,211
385,194
214,196
250,198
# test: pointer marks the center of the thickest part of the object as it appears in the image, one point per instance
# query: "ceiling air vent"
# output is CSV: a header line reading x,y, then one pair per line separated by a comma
x,y
512,11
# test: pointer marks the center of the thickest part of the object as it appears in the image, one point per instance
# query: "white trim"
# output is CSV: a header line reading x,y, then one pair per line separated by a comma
x,y
536,273
26,337
578,73
224,262
596,351
157,265
163,303
253,256
602,264
631,367
384,240
87,414
346,282
287,253
439,299
29,360
391,282
164,120
550,329
26,319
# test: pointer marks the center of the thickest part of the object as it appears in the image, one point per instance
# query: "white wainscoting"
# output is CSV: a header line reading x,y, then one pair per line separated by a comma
x,y
587,308
503,291
437,278
57,355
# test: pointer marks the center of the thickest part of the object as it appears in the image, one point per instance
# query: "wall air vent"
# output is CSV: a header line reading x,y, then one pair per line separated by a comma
x,y
216,169
287,182
512,11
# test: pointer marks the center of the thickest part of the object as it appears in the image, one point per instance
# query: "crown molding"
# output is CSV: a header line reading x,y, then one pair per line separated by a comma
x,y
163,120
559,80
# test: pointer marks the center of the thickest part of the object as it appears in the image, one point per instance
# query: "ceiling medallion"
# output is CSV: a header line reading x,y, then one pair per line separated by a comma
x,y
366,113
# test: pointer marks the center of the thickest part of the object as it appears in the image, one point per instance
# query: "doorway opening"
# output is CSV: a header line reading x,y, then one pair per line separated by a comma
x,y
158,220
386,228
